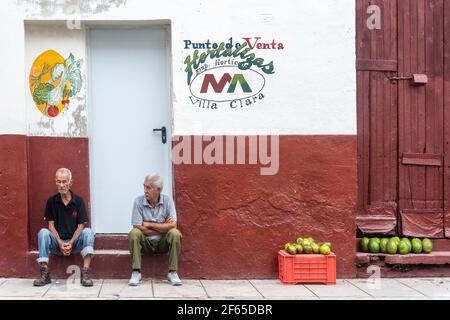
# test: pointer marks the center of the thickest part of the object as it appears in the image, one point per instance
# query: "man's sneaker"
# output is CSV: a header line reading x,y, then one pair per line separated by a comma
x,y
174,279
136,278
86,280
44,278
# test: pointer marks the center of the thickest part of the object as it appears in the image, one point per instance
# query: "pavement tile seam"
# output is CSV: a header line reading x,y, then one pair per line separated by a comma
x,y
354,285
153,289
406,285
398,284
346,285
206,291
101,287
439,285
46,291
256,288
100,291
309,289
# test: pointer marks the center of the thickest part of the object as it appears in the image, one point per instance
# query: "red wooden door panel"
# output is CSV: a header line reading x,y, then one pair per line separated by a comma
x,y
377,119
421,118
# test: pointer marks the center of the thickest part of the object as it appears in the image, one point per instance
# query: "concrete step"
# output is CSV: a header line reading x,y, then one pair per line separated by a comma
x,y
433,258
438,244
439,256
107,263
105,241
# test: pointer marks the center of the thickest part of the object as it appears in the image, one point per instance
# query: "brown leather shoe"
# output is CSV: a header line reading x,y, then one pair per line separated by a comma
x,y
44,278
86,280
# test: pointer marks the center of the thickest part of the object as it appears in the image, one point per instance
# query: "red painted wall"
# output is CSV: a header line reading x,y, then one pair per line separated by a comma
x,y
46,155
13,205
233,219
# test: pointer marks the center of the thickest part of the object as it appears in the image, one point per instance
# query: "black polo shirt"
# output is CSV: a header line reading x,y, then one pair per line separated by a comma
x,y
66,218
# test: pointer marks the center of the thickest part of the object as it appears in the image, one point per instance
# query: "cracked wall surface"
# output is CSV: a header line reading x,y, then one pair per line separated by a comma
x,y
234,220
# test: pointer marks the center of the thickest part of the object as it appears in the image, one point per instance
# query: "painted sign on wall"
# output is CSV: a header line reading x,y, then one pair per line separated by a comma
x,y
227,73
53,81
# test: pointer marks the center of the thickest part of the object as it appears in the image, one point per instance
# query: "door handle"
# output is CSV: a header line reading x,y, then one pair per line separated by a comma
x,y
163,133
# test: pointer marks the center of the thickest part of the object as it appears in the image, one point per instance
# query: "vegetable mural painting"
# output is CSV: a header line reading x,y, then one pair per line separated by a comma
x,y
53,81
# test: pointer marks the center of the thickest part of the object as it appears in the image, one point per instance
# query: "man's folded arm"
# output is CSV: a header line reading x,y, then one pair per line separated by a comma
x,y
160,227
146,231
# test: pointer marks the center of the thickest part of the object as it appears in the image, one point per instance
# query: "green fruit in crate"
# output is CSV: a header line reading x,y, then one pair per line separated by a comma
x,y
311,240
286,246
427,245
404,248
325,249
392,246
376,239
383,245
315,247
299,248
327,244
306,242
416,245
374,246
291,249
364,244
307,249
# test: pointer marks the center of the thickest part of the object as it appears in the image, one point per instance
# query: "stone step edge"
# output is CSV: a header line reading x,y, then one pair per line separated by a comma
x,y
433,258
97,252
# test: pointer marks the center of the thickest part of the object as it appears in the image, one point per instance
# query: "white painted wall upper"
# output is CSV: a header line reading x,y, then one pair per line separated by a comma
x,y
312,89
12,106
72,121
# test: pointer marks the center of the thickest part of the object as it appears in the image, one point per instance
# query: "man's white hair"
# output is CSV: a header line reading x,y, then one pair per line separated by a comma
x,y
64,171
155,179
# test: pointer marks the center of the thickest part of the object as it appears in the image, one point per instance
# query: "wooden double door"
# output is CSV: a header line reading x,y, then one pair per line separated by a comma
x,y
403,108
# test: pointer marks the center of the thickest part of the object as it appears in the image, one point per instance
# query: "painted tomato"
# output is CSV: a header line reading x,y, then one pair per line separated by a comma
x,y
52,111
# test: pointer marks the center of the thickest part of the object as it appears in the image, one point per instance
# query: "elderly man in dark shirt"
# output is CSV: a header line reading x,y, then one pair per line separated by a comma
x,y
66,233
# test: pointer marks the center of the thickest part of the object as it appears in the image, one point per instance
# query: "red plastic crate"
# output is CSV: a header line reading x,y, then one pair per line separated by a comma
x,y
306,268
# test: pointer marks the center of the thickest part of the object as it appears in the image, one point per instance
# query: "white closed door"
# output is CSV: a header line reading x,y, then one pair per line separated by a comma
x,y
129,97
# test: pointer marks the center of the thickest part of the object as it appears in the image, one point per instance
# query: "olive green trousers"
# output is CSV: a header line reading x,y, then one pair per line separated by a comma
x,y
169,242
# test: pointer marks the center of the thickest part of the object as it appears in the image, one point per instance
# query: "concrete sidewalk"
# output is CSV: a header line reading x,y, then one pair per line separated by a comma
x,y
361,289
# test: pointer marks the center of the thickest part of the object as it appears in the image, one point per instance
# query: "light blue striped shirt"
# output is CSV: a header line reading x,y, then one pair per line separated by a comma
x,y
143,211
